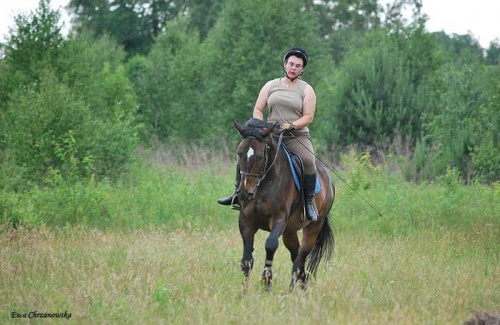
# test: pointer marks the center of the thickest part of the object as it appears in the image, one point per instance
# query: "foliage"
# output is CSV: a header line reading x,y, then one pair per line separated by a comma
x,y
460,45
361,174
168,105
377,96
181,69
38,122
80,97
32,44
203,14
493,53
451,128
135,24
486,151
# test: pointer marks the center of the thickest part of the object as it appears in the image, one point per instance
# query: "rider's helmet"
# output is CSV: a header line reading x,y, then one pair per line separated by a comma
x,y
296,51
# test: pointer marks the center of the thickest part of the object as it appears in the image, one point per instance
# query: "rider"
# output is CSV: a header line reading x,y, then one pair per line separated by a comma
x,y
292,103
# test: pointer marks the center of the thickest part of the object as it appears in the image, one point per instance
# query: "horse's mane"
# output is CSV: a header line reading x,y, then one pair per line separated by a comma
x,y
255,127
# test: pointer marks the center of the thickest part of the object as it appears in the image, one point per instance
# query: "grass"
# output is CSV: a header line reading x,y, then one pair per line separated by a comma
x,y
159,275
156,248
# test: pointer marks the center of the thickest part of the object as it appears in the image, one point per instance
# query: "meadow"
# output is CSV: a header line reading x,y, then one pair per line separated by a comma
x,y
155,248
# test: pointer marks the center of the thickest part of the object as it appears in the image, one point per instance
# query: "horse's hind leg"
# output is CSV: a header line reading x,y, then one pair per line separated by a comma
x,y
248,235
291,241
298,269
271,246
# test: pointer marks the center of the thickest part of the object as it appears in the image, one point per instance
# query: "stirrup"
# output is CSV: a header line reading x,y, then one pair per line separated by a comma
x,y
235,205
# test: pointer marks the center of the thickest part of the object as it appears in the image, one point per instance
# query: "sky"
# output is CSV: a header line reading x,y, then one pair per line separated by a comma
x,y
476,17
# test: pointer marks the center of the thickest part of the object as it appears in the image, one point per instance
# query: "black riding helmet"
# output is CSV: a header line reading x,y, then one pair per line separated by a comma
x,y
297,51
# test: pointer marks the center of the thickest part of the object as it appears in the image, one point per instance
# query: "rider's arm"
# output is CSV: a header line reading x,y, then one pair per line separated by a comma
x,y
308,109
261,103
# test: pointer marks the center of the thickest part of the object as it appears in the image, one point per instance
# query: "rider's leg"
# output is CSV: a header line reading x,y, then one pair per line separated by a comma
x,y
302,146
309,186
233,198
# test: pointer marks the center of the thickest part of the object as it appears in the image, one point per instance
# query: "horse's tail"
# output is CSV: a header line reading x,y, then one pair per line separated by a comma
x,y
323,247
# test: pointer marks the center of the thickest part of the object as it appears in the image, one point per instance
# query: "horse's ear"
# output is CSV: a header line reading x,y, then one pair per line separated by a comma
x,y
270,127
238,126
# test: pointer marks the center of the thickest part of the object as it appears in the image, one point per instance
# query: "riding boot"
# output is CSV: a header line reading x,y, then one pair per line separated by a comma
x,y
309,187
233,198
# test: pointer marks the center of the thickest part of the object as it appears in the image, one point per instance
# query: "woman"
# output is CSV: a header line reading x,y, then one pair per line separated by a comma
x,y
292,103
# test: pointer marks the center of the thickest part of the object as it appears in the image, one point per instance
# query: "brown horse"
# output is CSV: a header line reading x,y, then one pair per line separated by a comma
x,y
270,201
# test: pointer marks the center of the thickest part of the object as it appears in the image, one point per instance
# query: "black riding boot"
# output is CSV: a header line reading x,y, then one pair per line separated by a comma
x,y
309,187
233,198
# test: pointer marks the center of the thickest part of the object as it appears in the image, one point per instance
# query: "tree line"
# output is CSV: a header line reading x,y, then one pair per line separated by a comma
x,y
138,71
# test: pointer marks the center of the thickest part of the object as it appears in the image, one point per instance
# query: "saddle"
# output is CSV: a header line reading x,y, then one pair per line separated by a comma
x,y
297,170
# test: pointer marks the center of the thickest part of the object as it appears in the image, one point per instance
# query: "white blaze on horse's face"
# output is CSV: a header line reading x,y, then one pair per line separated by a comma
x,y
250,153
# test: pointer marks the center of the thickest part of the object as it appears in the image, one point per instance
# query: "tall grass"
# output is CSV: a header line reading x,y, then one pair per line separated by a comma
x,y
161,188
158,275
156,248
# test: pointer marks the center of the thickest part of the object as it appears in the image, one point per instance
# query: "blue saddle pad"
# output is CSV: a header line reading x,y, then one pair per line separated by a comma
x,y
295,169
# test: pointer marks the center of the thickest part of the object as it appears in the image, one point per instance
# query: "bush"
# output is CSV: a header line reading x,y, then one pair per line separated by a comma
x,y
38,124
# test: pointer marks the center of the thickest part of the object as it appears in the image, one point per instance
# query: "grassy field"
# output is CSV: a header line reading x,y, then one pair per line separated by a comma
x,y
164,252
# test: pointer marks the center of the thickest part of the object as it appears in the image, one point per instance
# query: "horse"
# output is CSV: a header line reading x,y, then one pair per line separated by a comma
x,y
269,201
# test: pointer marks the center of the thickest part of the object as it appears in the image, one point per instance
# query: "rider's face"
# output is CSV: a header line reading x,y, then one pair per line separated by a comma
x,y
294,66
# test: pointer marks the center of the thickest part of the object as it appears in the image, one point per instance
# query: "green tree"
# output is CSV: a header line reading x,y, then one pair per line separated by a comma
x,y
459,45
32,44
342,23
486,150
132,23
167,83
493,53
76,106
203,14
452,125
376,96
37,122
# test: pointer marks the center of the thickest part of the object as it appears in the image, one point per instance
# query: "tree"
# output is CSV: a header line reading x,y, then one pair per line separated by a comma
x,y
31,45
377,96
462,131
132,23
486,150
203,14
457,45
342,23
167,82
37,122
70,108
493,53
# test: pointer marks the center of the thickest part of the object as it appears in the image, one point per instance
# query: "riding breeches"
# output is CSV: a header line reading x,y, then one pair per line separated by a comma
x,y
301,144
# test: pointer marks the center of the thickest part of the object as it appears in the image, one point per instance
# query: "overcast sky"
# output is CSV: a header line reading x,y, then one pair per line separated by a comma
x,y
477,17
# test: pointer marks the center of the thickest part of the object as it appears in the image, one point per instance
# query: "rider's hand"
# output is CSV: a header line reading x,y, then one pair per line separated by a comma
x,y
287,127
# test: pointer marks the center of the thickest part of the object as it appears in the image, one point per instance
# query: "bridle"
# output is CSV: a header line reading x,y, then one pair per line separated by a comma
x,y
264,169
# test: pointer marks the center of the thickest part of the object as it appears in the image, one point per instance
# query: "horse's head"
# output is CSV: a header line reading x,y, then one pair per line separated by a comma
x,y
253,155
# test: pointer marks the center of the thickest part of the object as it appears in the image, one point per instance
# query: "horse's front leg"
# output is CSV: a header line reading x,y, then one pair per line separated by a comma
x,y
247,234
271,247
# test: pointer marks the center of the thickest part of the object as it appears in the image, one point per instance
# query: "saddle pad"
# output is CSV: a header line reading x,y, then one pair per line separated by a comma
x,y
295,163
